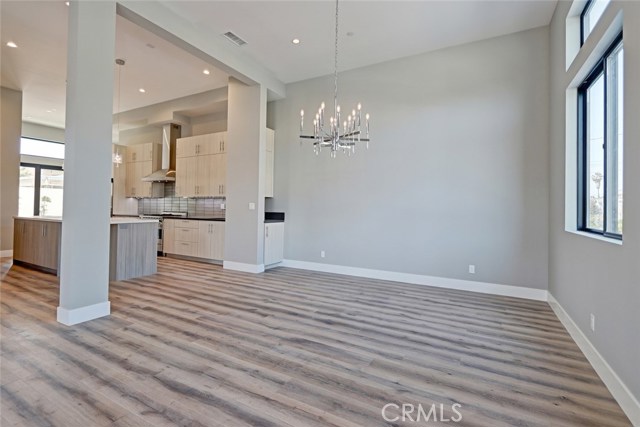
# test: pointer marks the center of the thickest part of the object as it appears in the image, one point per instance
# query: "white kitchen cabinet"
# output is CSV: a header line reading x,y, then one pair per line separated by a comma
x,y
186,173
219,175
269,163
273,243
190,146
140,153
201,165
194,238
185,237
211,240
218,143
141,160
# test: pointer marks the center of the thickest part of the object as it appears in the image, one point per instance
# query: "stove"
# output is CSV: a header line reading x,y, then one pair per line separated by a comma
x,y
160,218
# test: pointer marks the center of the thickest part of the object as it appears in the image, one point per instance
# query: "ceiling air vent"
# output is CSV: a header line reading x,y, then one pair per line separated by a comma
x,y
234,39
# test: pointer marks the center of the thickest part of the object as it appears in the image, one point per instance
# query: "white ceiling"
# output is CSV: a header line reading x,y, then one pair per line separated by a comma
x,y
38,65
382,31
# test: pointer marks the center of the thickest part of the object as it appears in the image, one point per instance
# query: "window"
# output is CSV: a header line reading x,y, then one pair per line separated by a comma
x,y
41,178
592,12
41,148
40,190
600,146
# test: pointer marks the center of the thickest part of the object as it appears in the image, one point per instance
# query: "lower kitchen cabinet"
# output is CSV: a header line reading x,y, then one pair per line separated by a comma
x,y
37,243
273,243
211,240
194,238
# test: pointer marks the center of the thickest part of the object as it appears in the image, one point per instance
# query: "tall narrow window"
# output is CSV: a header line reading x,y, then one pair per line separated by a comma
x,y
600,146
592,12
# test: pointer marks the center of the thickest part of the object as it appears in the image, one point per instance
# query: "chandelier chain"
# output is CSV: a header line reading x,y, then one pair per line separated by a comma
x,y
335,65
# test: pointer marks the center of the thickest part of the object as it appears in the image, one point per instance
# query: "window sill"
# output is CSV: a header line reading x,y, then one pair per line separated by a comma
x,y
596,237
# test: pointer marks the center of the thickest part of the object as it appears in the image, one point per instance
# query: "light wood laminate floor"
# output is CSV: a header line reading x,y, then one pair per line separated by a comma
x,y
195,345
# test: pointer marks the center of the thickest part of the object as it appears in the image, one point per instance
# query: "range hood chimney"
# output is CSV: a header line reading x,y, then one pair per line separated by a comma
x,y
170,133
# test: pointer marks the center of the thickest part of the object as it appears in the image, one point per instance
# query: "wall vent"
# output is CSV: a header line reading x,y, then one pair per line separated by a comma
x,y
234,39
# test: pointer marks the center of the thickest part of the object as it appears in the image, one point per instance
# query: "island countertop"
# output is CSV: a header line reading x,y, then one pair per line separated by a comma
x,y
113,220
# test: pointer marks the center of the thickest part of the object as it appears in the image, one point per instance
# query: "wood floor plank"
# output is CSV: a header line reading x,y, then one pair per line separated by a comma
x,y
196,345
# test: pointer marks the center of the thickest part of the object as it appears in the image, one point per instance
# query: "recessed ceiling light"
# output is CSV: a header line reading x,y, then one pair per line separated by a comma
x,y
206,71
141,90
295,41
49,111
12,44
67,3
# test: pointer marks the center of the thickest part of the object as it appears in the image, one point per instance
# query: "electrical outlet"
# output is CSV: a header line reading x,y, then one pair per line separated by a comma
x,y
593,322
472,269
222,206
321,254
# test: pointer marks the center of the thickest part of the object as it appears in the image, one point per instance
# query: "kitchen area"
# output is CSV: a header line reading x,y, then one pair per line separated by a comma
x,y
189,157
168,199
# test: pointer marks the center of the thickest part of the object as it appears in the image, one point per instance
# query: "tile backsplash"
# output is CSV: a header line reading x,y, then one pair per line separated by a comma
x,y
171,203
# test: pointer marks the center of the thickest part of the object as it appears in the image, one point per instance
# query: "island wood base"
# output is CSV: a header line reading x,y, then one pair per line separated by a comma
x,y
133,246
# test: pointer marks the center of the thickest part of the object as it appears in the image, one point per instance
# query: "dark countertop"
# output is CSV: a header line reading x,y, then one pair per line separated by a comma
x,y
273,217
205,218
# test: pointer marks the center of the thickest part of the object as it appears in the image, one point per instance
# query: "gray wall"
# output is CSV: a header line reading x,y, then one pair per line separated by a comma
x,y
586,275
456,173
38,131
11,123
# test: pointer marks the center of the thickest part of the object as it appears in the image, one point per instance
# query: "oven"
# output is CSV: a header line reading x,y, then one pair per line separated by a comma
x,y
160,219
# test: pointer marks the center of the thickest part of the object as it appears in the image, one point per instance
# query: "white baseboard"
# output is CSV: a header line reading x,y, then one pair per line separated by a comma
x,y
241,266
616,386
6,253
417,279
83,314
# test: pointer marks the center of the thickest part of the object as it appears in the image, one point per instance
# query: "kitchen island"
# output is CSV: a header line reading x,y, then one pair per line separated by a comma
x,y
133,245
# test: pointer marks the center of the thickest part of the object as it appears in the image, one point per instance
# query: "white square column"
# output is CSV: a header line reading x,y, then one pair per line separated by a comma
x,y
247,136
84,264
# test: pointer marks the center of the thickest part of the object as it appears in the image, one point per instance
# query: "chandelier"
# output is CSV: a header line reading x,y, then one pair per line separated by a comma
x,y
337,135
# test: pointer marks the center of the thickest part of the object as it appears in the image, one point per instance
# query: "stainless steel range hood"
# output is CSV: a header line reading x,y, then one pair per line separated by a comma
x,y
170,133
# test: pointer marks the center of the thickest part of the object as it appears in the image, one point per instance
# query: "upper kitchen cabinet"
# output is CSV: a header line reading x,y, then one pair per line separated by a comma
x,y
201,165
147,159
269,163
200,145
141,153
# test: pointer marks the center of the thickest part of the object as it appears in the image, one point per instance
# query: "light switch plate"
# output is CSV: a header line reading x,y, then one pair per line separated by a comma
x,y
252,206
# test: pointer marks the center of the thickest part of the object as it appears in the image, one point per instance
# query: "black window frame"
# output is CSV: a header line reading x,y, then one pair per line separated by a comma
x,y
587,6
600,69
38,175
585,11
